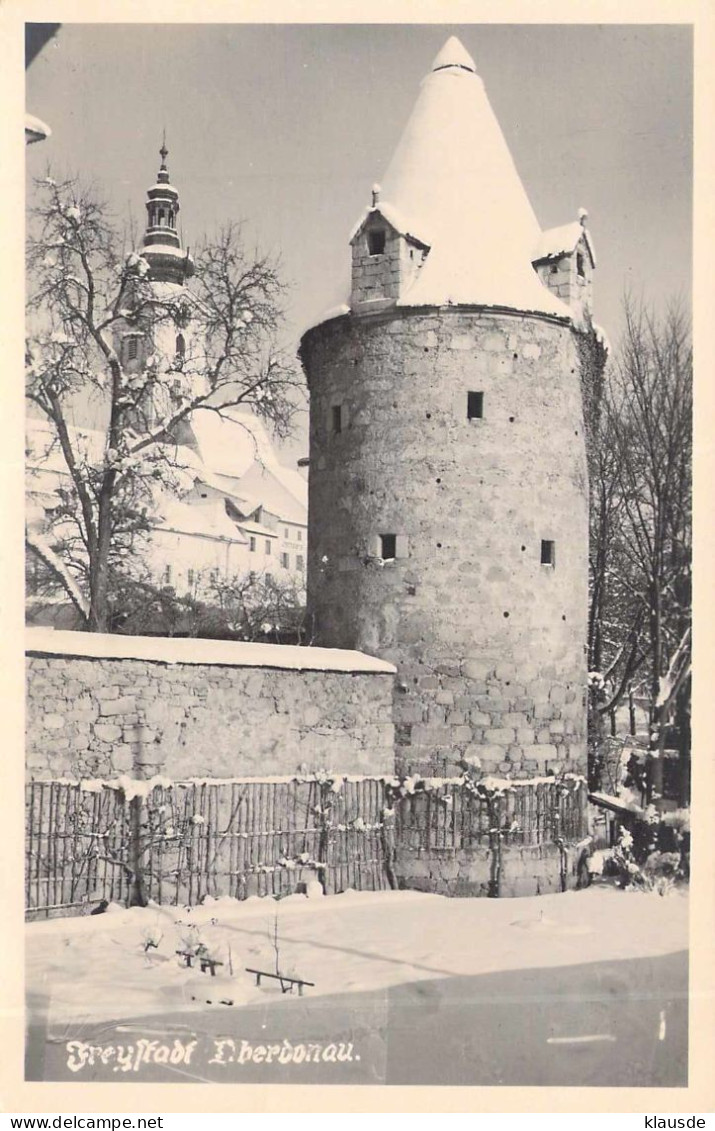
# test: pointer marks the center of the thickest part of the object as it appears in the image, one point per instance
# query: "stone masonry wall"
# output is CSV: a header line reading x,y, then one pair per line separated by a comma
x,y
521,871
489,642
100,717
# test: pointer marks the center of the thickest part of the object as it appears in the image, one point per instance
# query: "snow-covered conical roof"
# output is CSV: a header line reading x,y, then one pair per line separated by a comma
x,y
453,176
454,54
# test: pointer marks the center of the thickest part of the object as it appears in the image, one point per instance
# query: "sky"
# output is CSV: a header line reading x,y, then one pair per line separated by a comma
x,y
287,127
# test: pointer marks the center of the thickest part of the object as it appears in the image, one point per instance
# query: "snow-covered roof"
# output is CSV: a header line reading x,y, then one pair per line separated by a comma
x,y
295,484
453,176
207,519
555,242
226,485
163,186
262,487
235,449
251,527
230,442
43,446
170,650
399,222
36,129
164,249
234,456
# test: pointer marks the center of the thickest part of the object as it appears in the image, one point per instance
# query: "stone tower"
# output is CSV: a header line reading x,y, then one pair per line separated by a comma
x,y
448,521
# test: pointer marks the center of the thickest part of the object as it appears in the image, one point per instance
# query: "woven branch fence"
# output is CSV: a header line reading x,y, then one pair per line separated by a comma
x,y
187,840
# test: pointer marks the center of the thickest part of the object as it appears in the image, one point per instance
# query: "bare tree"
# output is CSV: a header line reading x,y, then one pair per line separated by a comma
x,y
617,640
250,607
85,301
641,530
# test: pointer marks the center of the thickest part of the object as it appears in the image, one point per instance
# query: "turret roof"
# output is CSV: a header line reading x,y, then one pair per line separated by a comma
x,y
453,176
454,54
555,242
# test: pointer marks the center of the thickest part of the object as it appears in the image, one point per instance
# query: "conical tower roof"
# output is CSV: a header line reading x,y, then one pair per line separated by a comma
x,y
454,183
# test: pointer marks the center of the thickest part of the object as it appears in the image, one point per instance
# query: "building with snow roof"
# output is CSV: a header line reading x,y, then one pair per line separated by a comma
x,y
451,391
236,511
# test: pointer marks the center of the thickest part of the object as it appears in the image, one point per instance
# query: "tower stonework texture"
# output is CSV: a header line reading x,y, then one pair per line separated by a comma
x,y
448,517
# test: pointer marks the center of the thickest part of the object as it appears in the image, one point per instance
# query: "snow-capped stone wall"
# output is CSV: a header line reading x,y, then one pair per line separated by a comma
x,y
101,706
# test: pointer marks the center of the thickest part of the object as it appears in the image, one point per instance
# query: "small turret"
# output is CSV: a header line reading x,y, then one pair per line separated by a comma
x,y
564,261
386,256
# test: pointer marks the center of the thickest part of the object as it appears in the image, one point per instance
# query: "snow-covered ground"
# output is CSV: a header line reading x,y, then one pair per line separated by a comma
x,y
96,967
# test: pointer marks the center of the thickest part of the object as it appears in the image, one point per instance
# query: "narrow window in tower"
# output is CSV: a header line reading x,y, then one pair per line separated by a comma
x,y
548,552
376,241
180,346
171,218
475,406
162,217
580,269
388,547
132,348
337,417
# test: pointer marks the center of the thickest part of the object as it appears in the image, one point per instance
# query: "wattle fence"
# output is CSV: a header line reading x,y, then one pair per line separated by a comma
x,y
177,843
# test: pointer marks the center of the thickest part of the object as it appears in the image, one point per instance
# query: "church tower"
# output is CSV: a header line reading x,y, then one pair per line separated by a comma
x,y
162,337
162,249
448,520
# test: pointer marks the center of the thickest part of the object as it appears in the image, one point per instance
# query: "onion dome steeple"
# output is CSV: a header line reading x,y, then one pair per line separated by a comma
x,y
168,262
